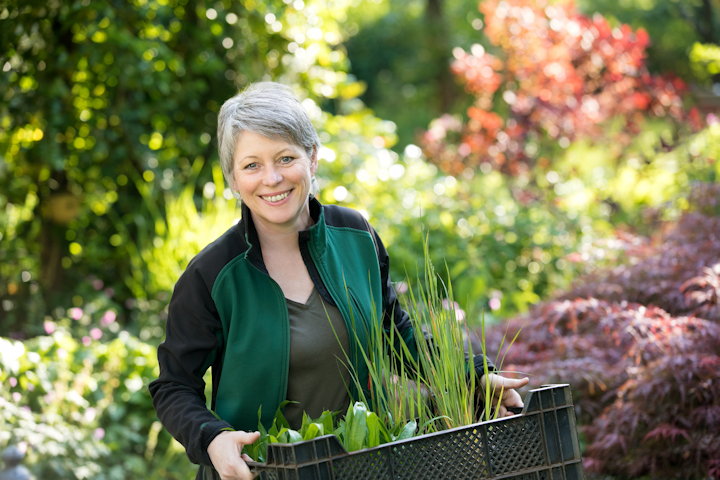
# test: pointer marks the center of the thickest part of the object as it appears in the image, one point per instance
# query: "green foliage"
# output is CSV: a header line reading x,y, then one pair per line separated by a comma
x,y
432,379
637,186
497,237
172,235
705,62
82,410
357,429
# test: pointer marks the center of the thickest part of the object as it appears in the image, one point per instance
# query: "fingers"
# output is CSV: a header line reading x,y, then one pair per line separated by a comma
x,y
505,388
224,452
511,398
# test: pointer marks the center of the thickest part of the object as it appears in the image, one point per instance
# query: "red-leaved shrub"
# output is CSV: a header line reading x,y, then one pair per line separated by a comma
x,y
551,74
640,347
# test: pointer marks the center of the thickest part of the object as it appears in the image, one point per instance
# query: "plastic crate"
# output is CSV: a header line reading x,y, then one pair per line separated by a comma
x,y
538,444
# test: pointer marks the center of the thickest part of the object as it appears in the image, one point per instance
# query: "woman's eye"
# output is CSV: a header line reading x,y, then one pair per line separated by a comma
x,y
285,160
250,166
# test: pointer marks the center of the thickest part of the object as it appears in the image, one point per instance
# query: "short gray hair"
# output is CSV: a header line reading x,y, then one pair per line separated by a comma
x,y
266,108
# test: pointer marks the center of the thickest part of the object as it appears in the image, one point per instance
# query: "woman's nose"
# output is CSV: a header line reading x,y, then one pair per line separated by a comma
x,y
272,176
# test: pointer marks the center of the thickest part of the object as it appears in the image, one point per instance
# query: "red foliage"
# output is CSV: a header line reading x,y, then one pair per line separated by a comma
x,y
640,346
561,77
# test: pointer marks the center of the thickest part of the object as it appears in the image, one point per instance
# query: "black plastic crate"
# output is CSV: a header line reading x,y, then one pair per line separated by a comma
x,y
538,444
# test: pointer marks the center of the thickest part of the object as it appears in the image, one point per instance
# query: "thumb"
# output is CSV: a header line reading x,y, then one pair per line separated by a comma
x,y
246,438
514,382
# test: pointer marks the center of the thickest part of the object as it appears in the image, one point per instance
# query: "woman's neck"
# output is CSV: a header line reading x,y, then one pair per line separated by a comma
x,y
281,236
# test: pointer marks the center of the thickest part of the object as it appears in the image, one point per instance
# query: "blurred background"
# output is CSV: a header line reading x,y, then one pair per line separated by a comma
x,y
560,159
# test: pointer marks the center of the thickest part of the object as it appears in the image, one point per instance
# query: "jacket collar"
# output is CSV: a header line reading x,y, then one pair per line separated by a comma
x,y
316,234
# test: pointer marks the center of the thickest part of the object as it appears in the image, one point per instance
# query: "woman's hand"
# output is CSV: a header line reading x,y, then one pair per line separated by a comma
x,y
504,388
225,454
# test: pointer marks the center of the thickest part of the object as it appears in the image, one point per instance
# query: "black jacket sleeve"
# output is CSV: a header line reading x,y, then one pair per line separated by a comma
x,y
393,313
192,344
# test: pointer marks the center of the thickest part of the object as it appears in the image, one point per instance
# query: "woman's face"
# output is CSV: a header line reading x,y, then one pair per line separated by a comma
x,y
273,178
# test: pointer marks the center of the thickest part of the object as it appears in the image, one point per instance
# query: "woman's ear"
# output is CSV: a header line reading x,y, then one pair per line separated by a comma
x,y
314,160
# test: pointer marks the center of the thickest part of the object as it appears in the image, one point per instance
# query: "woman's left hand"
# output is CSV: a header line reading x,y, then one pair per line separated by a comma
x,y
505,389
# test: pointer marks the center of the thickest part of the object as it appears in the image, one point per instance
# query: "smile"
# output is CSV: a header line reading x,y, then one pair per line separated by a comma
x,y
276,198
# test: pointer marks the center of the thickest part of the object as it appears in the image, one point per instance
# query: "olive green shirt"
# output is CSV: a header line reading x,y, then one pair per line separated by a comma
x,y
318,379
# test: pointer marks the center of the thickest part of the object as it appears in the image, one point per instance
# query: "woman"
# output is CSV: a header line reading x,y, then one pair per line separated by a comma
x,y
254,304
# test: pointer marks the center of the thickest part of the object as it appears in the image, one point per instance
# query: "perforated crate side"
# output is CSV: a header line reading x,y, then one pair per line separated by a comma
x,y
538,444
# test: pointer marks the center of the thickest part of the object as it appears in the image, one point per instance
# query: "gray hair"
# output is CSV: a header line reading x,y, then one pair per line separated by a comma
x,y
266,108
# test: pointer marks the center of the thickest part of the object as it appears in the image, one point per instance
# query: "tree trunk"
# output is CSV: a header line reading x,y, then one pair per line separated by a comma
x,y
439,50
706,23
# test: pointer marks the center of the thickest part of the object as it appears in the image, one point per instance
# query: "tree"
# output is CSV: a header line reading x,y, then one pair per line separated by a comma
x,y
402,54
107,107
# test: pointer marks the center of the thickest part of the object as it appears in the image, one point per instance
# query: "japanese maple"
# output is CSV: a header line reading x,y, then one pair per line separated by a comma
x,y
640,346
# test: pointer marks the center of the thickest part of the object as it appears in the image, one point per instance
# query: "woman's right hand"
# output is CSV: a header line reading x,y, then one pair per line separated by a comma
x,y
225,454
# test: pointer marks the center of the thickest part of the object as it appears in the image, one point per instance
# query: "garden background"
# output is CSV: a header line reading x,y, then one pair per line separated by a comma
x,y
560,159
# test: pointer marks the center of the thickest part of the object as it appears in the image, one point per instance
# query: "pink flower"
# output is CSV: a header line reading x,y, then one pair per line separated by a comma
x,y
494,303
99,433
49,326
455,307
96,333
97,284
75,313
86,340
13,381
108,317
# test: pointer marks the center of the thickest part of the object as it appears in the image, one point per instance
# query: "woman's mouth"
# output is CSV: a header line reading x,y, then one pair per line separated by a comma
x,y
276,197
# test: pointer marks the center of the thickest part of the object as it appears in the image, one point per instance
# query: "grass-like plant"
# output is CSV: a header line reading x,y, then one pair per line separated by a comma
x,y
437,385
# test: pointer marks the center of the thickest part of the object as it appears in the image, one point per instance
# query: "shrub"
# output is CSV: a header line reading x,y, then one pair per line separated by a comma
x,y
640,345
558,75
82,409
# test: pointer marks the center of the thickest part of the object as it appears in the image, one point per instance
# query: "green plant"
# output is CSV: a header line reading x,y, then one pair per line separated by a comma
x,y
705,62
81,408
433,379
357,429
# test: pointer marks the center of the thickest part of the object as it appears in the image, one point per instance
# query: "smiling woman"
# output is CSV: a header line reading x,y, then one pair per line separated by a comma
x,y
278,304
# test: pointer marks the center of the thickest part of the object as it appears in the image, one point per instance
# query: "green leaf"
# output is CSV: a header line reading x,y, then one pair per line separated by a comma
x,y
313,430
293,436
407,431
356,432
373,430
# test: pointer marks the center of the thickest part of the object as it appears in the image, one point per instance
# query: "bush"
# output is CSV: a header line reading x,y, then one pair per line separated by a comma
x,y
558,76
82,409
640,345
